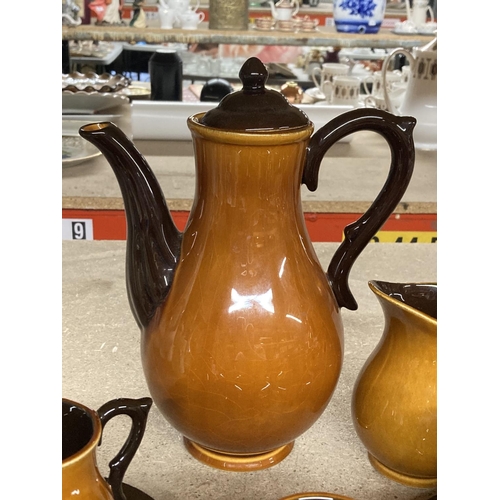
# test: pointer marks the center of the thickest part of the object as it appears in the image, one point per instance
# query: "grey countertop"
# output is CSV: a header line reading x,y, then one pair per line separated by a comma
x,y
101,361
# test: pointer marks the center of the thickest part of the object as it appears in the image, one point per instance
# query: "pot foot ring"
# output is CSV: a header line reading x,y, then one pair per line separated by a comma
x,y
416,482
133,493
236,462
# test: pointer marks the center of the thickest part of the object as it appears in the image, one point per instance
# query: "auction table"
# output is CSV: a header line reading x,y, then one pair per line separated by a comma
x,y
101,361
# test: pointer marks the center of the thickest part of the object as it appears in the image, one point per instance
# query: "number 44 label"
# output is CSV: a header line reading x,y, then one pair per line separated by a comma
x,y
77,229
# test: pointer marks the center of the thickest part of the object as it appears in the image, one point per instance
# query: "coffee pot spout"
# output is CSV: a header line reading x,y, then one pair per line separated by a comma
x,y
153,240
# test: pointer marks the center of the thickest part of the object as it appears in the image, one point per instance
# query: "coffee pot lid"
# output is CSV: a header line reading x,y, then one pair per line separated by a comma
x,y
255,108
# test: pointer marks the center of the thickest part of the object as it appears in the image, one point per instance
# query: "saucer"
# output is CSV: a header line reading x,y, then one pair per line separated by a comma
x,y
315,94
317,496
132,493
263,29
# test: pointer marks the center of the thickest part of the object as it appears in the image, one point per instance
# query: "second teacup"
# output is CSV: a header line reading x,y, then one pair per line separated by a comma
x,y
327,72
376,80
342,91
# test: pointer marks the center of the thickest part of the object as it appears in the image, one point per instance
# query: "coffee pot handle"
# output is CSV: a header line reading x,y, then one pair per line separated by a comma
x,y
398,132
137,410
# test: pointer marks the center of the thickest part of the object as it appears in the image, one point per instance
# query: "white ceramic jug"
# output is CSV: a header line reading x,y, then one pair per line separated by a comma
x,y
420,98
419,13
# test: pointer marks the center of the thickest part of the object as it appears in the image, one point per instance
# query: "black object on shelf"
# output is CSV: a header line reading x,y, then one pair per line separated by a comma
x,y
165,73
215,89
66,61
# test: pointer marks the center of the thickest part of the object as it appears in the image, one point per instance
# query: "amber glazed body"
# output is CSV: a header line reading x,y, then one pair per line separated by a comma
x,y
249,365
394,405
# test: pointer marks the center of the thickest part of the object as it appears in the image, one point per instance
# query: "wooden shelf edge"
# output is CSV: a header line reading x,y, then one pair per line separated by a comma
x,y
325,36
184,205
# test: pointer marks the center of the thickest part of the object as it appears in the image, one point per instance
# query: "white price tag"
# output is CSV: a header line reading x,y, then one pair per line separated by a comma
x,y
77,229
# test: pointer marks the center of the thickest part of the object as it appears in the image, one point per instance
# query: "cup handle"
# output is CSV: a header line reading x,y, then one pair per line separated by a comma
x,y
366,81
137,410
431,13
387,99
201,16
327,88
397,131
315,70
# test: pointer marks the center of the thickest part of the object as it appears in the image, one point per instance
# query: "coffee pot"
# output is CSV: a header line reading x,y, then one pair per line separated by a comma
x,y
420,96
242,338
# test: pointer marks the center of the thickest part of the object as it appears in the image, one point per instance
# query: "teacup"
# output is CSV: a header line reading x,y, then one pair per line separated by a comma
x,y
342,91
309,24
191,19
327,72
286,25
376,80
82,433
265,23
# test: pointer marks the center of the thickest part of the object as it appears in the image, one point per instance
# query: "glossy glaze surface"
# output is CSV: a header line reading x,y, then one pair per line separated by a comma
x,y
246,352
394,405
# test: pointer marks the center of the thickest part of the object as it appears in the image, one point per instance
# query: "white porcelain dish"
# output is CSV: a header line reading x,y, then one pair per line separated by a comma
x,y
79,103
315,94
76,150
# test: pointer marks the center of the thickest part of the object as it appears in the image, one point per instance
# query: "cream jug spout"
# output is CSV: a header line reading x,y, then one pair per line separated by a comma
x,y
153,240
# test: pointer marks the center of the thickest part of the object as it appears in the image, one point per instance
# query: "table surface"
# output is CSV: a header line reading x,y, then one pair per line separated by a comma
x,y
101,361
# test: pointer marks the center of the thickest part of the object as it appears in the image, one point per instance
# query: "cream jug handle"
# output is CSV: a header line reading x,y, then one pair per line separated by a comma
x,y
398,132
431,13
137,410
390,107
315,70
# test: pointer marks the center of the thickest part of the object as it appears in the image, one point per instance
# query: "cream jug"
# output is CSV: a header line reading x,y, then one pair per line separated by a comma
x,y
420,99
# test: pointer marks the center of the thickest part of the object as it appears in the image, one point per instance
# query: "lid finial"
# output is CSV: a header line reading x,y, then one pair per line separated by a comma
x,y
253,74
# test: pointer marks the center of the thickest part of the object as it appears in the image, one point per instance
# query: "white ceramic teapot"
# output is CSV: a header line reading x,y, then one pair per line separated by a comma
x,y
171,12
284,10
420,98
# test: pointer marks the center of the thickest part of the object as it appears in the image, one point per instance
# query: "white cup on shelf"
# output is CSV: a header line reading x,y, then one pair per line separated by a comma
x,y
327,72
342,91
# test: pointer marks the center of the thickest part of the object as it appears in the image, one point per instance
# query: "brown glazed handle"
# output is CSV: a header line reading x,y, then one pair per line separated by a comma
x,y
398,132
137,410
